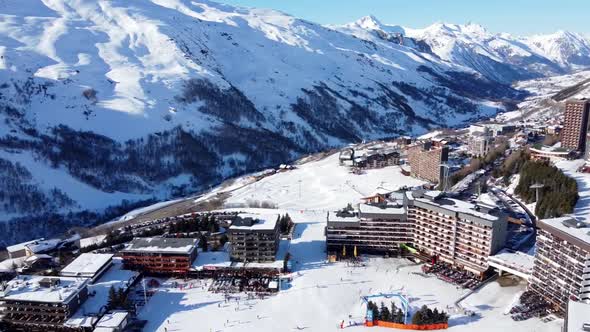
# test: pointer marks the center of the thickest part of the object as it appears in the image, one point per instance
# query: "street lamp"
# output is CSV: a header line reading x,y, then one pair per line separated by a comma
x,y
537,186
445,176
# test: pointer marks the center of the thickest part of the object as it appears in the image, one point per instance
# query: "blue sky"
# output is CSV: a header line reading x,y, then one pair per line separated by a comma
x,y
520,17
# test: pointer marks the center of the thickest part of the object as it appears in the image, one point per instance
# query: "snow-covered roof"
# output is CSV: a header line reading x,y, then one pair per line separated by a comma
x,y
211,259
373,209
567,225
343,218
435,198
37,257
162,245
550,150
28,288
112,319
260,222
21,246
577,316
43,246
86,265
517,260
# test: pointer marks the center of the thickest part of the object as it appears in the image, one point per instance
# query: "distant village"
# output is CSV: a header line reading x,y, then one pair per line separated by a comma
x,y
464,225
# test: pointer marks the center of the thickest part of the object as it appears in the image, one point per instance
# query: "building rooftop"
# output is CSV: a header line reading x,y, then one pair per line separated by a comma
x,y
517,260
162,245
44,245
43,289
570,226
86,265
436,198
342,217
212,260
381,209
249,221
21,246
577,316
112,319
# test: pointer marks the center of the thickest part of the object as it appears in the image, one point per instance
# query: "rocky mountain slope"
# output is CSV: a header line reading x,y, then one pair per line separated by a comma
x,y
110,104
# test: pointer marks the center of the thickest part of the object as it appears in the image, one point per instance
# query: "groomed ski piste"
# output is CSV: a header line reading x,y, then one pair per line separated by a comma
x,y
321,294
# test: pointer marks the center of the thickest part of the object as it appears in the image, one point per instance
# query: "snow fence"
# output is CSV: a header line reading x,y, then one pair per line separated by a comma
x,y
429,327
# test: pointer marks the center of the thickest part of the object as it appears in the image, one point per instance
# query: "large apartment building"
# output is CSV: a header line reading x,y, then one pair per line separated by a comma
x,y
562,262
254,238
575,127
38,303
372,229
160,255
456,232
425,159
479,144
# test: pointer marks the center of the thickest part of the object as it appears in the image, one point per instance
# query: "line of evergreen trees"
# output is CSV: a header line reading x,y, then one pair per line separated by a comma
x,y
200,223
118,300
559,194
285,223
383,313
423,316
428,316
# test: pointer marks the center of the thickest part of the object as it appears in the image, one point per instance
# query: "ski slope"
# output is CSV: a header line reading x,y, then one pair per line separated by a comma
x,y
320,185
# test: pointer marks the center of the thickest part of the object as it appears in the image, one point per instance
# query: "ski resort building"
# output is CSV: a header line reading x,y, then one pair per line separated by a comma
x,y
480,144
459,233
456,232
38,303
562,262
30,248
425,159
254,238
115,321
377,159
160,255
377,156
88,265
373,229
573,135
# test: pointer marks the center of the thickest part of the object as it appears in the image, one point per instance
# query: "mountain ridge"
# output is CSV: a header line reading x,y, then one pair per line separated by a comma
x,y
498,56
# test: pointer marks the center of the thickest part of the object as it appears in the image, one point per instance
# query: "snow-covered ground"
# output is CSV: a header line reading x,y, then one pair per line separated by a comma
x,y
320,185
322,294
539,106
569,168
137,212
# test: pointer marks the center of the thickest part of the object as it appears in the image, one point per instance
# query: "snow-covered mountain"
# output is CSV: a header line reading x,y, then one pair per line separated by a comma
x,y
106,103
500,57
569,50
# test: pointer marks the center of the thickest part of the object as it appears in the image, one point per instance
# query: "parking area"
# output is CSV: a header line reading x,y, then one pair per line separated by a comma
x,y
262,285
530,305
449,274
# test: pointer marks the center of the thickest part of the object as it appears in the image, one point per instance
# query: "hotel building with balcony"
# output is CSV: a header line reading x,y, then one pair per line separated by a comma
x,y
562,262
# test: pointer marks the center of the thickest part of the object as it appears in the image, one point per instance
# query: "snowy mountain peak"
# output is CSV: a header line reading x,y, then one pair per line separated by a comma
x,y
369,22
469,30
